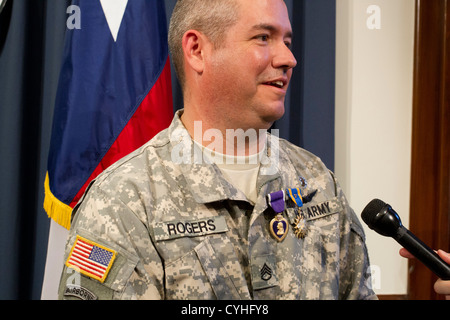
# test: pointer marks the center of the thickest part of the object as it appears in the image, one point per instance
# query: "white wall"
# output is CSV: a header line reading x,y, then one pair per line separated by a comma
x,y
374,76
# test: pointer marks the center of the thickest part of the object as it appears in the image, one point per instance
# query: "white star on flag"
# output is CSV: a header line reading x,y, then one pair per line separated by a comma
x,y
114,11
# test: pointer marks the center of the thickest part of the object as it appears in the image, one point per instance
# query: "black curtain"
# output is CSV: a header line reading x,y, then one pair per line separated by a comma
x,y
31,44
31,34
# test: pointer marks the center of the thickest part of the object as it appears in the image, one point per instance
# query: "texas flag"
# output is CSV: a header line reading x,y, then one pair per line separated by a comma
x,y
114,94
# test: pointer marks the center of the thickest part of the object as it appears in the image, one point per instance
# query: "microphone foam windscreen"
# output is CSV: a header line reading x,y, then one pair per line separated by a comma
x,y
371,210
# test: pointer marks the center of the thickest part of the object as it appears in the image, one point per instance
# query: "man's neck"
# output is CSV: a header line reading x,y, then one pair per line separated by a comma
x,y
221,138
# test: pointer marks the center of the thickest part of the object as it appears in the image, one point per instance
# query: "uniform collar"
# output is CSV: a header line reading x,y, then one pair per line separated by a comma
x,y
205,181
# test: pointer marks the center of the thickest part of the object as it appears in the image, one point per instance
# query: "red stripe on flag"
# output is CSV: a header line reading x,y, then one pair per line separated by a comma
x,y
85,245
82,267
84,248
82,263
81,253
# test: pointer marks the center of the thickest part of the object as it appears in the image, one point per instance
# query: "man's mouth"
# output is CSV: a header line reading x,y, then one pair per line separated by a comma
x,y
278,84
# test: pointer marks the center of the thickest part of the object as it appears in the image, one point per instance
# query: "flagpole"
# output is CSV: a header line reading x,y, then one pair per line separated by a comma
x,y
54,263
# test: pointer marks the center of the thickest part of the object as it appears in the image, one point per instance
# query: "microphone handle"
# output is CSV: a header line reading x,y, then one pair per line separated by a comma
x,y
423,253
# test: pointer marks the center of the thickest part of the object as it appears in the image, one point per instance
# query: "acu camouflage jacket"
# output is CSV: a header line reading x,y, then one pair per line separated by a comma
x,y
167,230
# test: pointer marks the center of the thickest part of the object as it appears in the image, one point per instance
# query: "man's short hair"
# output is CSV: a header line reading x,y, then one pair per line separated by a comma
x,y
211,17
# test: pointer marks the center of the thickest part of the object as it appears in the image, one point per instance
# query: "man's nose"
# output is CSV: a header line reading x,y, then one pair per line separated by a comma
x,y
284,58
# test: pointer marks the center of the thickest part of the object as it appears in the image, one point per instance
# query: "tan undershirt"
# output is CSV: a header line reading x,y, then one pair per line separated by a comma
x,y
240,171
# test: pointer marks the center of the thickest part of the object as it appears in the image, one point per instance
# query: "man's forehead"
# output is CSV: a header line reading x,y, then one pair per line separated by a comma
x,y
270,15
271,28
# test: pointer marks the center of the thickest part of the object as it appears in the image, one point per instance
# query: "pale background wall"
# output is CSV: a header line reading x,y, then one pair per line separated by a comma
x,y
374,77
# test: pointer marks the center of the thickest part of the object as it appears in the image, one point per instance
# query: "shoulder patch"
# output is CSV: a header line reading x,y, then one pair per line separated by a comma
x,y
79,292
91,259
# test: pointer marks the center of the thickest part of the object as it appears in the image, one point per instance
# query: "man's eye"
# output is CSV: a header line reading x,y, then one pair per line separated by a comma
x,y
263,37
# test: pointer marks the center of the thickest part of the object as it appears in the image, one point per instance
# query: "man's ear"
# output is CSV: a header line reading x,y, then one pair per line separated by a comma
x,y
194,43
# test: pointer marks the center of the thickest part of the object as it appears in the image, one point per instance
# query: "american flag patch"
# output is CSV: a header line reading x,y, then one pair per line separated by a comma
x,y
91,259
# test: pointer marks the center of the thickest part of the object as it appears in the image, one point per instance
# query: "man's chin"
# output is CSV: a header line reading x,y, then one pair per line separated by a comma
x,y
274,114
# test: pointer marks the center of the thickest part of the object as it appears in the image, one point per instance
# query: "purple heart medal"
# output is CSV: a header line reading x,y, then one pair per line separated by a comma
x,y
278,226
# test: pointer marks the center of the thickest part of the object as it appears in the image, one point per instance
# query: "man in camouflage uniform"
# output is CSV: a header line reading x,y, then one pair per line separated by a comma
x,y
170,221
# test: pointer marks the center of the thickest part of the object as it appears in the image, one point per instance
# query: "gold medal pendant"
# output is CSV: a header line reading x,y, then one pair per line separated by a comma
x,y
300,227
279,227
300,222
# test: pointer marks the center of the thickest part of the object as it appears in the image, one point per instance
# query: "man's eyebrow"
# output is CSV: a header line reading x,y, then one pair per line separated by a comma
x,y
271,28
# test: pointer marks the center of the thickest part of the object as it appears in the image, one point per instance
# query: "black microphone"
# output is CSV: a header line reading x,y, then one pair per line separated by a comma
x,y
380,217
